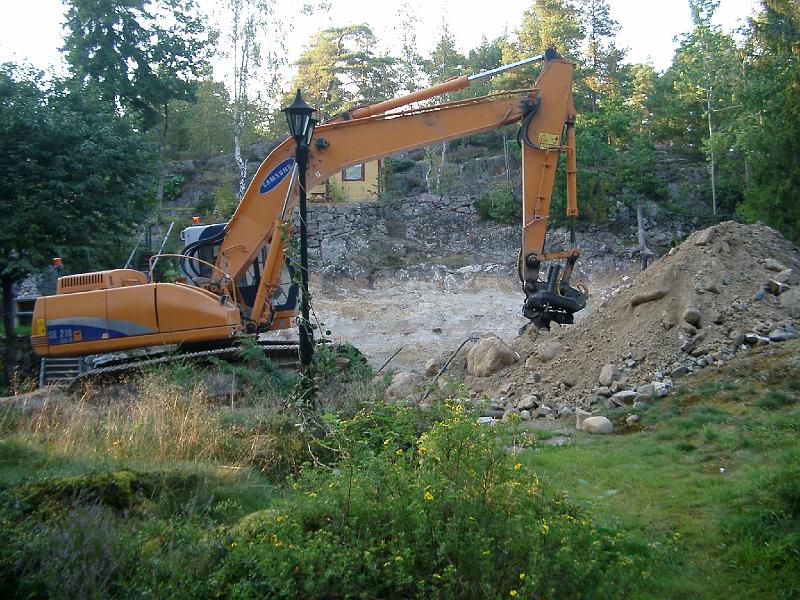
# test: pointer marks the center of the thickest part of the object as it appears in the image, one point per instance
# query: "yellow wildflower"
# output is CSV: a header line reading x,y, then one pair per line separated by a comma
x,y
517,466
399,452
512,593
521,576
428,496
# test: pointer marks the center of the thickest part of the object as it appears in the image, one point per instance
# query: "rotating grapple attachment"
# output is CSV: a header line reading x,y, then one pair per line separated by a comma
x,y
553,299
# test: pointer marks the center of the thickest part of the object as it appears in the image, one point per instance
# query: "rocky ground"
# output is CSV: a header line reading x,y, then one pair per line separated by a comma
x,y
725,289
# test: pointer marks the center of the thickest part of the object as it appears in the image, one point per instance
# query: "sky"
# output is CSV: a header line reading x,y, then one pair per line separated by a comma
x,y
31,31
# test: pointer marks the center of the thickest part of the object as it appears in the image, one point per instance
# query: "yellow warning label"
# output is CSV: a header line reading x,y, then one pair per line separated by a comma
x,y
39,326
548,139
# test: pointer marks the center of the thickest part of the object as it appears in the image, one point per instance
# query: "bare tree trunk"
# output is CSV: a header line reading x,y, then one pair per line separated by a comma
x,y
162,176
241,161
10,350
505,156
441,168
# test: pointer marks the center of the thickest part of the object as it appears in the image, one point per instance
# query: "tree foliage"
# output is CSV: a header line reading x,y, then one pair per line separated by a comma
x,y
340,68
72,181
140,54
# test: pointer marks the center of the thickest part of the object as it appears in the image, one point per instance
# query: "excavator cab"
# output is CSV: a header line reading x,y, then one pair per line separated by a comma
x,y
201,251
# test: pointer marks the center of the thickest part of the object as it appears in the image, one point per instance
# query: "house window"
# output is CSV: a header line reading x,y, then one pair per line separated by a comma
x,y
354,173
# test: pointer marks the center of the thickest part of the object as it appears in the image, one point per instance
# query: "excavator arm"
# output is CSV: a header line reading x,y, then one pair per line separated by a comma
x,y
120,309
368,133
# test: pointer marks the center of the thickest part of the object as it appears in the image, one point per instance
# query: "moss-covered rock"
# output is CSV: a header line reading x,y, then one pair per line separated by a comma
x,y
120,490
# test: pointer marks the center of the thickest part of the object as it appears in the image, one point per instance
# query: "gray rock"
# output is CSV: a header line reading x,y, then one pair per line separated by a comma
x,y
432,367
630,363
624,397
790,301
692,316
525,415
604,391
679,371
546,351
760,295
787,276
639,405
485,420
615,386
779,335
528,402
770,264
608,374
488,356
509,414
646,390
775,287
495,413
565,411
404,386
736,337
632,420
542,412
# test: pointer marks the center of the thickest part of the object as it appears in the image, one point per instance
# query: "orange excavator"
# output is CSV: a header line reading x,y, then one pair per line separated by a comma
x,y
237,281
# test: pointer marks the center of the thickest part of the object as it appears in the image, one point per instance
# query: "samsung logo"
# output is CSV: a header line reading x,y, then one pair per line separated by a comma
x,y
276,175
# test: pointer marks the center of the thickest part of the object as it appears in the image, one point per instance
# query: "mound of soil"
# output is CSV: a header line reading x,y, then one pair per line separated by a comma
x,y
717,293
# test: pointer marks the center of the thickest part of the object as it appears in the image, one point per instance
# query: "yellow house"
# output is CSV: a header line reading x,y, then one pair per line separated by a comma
x,y
355,184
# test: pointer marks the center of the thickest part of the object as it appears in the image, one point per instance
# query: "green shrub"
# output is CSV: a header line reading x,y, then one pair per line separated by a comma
x,y
498,204
445,514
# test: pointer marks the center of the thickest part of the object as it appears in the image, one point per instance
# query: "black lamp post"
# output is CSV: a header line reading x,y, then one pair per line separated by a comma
x,y
301,126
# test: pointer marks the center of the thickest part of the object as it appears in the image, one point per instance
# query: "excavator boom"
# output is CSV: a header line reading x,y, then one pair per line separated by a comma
x,y
119,310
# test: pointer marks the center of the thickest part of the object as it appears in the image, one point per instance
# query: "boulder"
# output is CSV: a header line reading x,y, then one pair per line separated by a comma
x,y
404,386
608,374
692,316
546,351
770,264
488,356
790,301
528,402
432,367
624,397
585,422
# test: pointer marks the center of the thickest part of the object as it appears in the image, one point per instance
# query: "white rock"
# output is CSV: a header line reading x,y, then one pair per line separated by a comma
x,y
590,424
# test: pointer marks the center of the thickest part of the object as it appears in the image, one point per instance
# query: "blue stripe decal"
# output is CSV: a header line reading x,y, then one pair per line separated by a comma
x,y
90,329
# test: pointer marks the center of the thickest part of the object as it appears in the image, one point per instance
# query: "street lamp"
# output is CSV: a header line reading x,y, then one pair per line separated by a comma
x,y
301,127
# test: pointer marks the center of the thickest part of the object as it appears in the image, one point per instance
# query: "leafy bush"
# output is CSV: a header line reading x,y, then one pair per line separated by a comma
x,y
446,514
498,204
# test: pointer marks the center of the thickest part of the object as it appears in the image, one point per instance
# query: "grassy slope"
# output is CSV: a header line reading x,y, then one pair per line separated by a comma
x,y
661,479
691,469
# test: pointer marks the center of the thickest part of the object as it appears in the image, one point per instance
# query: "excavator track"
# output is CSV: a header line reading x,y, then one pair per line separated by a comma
x,y
283,354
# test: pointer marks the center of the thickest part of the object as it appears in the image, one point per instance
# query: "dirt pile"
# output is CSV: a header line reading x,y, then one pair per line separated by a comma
x,y
724,289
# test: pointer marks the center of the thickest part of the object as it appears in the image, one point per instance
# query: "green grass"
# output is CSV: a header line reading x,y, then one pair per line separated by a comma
x,y
164,491
708,467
